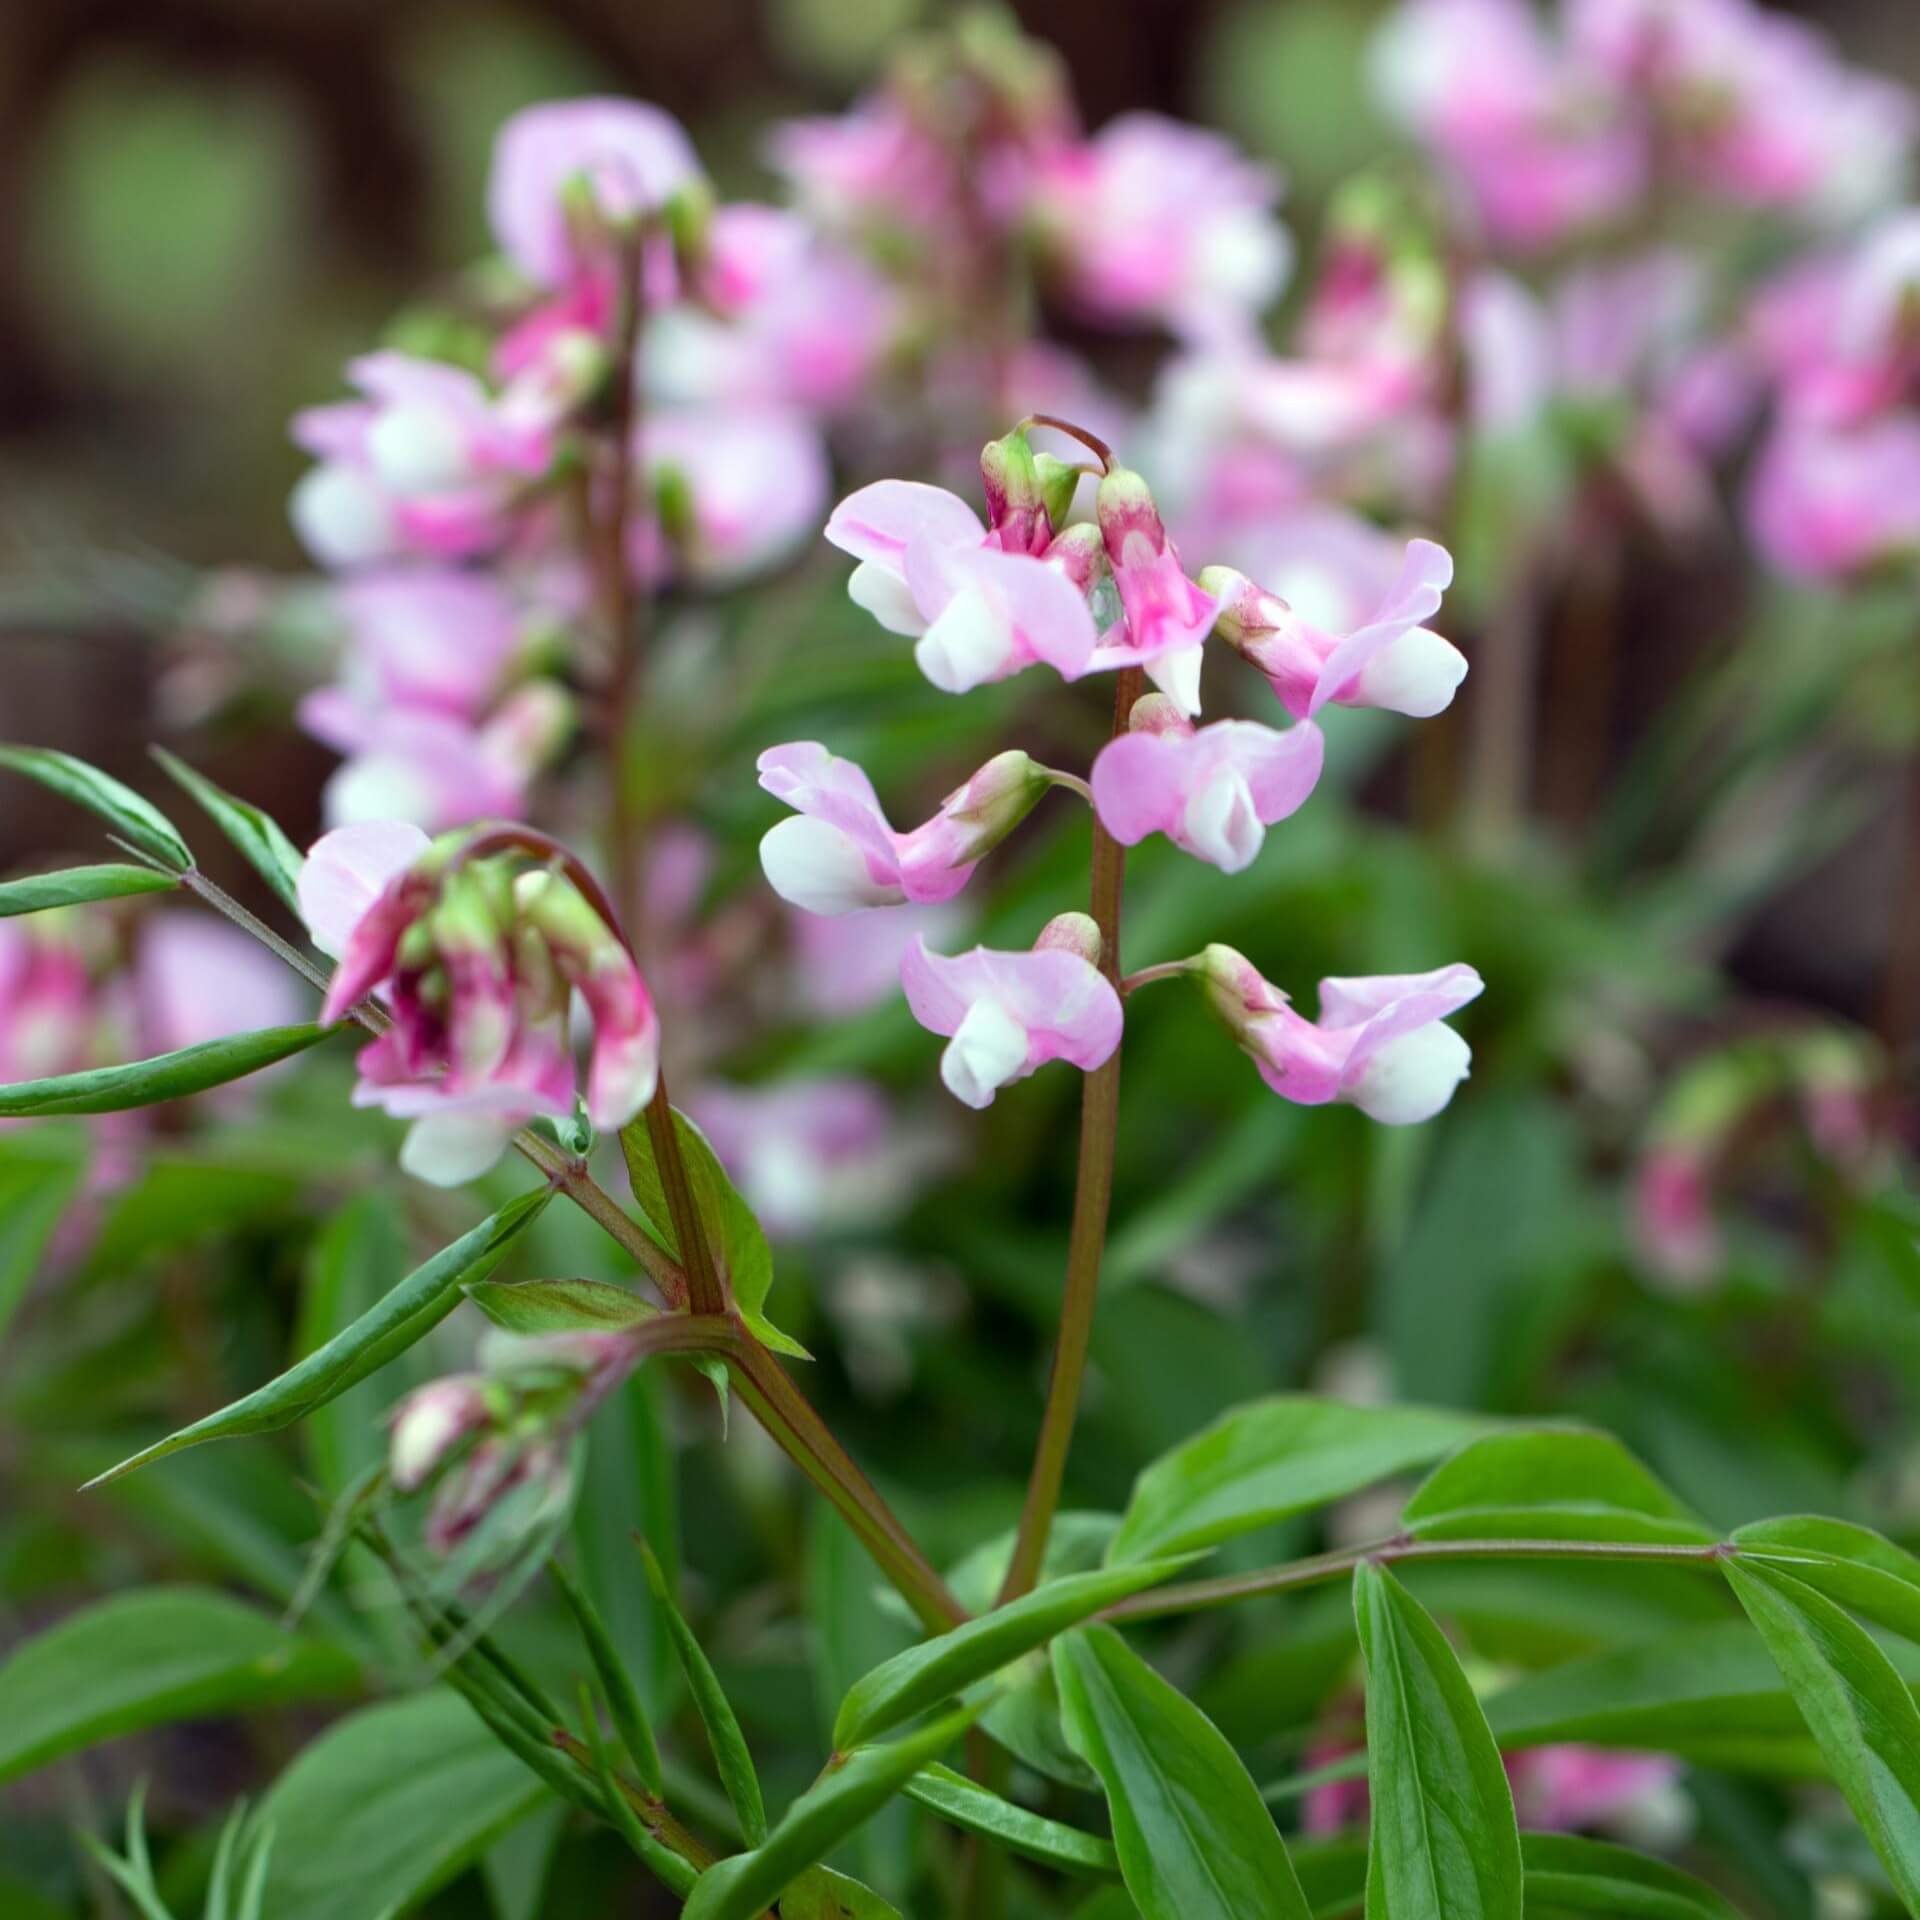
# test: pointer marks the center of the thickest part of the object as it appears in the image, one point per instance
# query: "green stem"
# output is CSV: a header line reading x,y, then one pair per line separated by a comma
x,y
705,1293
1092,1200
1195,1596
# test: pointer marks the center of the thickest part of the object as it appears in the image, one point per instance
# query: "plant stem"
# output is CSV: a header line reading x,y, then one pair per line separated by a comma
x,y
1146,976
1092,1198
1196,1596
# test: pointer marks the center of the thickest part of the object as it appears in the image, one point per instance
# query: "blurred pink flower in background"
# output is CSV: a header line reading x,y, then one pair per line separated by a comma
x,y
1673,1213
846,963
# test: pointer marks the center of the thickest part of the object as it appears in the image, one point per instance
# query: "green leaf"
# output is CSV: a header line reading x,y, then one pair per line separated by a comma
x,y
822,1894
132,818
148,1659
1050,1842
265,848
1859,1710
1861,1569
923,1676
1444,1844
387,1805
1285,1455
740,1249
1569,1875
34,1193
410,1311
1549,1483
167,1076
560,1306
38,891
730,1754
623,1699
850,1793
1194,1840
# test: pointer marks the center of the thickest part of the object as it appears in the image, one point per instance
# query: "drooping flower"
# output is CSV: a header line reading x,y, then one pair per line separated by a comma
x,y
1392,661
1380,1043
840,854
1008,1014
477,965
1213,792
1165,616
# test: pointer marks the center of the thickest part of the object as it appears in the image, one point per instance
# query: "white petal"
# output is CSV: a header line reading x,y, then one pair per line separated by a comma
x,y
343,516
418,450
345,873
1222,823
1413,1077
449,1149
885,595
1177,675
988,1048
967,646
1416,675
816,867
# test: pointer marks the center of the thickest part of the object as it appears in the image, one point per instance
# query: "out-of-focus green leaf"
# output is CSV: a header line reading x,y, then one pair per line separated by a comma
x,y
1548,1483
1031,1835
1861,1569
38,891
1859,1710
1194,1840
167,1076
623,1699
387,1805
411,1310
925,1675
822,1894
559,1306
34,1193
1443,1844
1566,1874
1261,1462
147,1659
135,820
257,835
851,1792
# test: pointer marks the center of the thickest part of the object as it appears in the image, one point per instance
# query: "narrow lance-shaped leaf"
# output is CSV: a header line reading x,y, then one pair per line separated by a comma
x,y
418,1304
843,1799
1565,1874
1031,1835
1861,1569
257,834
730,1753
1444,1844
167,1076
923,1676
623,1698
35,892
135,820
1859,1710
1194,1840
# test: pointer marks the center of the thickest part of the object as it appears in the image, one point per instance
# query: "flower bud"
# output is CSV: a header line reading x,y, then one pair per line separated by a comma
x,y
1130,523
1072,933
1016,512
430,1423
994,802
1080,553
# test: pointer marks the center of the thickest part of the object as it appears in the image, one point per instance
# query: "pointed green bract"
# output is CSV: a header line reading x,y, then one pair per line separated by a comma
x,y
413,1308
36,892
256,834
167,1076
135,820
560,1306
1194,1840
1444,1844
923,1676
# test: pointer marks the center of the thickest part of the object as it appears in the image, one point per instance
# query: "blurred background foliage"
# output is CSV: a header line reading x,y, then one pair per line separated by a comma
x,y
205,207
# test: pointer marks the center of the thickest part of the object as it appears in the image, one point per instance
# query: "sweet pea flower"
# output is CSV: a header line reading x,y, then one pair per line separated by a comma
x,y
1380,1043
198,978
1008,1014
567,172
845,963
1834,504
1392,661
476,965
1165,616
1212,791
840,855
927,570
1673,1221
426,463
52,1019
1155,222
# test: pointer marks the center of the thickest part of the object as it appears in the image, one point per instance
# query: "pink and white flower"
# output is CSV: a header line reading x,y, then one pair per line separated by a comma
x,y
1165,616
1380,1043
840,855
927,569
1008,1014
1212,791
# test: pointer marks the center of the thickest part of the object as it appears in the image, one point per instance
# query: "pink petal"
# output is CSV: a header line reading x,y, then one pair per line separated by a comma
x,y
881,521
823,786
347,871
1415,599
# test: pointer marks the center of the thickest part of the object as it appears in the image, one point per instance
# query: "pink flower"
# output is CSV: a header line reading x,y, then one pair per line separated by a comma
x,y
1380,1043
1827,504
1213,792
197,978
1008,1014
840,854
1568,1787
427,463
476,964
1166,618
872,164
926,569
52,1019
567,172
1391,661
1673,1212
845,963
1154,222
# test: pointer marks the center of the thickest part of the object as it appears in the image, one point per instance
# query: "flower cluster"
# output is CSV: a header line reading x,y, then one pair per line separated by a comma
x,y
1113,595
476,956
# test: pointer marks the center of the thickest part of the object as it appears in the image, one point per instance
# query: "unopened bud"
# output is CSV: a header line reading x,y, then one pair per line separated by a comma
x,y
1016,509
1155,713
429,1424
1130,523
1080,553
1059,482
1072,933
